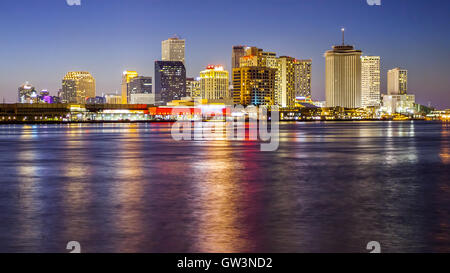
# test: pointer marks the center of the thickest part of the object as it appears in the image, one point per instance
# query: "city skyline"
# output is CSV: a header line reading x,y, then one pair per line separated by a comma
x,y
42,64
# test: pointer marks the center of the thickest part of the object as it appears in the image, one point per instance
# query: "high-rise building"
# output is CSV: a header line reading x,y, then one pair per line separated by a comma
x,y
140,85
77,87
236,55
370,81
173,49
127,76
286,91
27,93
254,81
397,81
343,76
254,85
303,71
140,91
214,83
270,59
170,81
193,88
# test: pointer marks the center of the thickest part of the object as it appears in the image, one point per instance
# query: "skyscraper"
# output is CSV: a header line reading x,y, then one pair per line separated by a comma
x,y
236,55
303,72
254,85
286,86
170,81
214,83
140,85
254,81
343,76
140,91
27,93
370,81
173,49
127,76
77,87
397,81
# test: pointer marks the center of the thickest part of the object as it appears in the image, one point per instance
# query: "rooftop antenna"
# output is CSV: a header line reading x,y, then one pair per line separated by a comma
x,y
343,36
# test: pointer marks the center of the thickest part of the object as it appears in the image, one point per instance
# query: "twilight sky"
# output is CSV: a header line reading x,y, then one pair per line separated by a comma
x,y
42,40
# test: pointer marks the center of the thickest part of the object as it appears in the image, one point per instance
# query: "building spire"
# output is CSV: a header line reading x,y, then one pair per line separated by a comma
x,y
343,36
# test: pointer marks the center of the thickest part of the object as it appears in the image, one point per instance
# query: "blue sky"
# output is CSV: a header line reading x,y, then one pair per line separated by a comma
x,y
41,40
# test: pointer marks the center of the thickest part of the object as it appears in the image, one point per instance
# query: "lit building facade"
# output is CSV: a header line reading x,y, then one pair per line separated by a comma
x,y
140,90
254,82
173,49
286,91
236,55
343,77
193,88
303,72
214,83
399,104
113,99
27,94
397,81
370,81
253,85
77,87
142,98
140,85
170,81
127,76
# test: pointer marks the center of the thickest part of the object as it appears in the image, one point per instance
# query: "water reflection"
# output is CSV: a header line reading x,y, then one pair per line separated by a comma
x,y
30,222
445,144
219,228
128,192
76,197
131,188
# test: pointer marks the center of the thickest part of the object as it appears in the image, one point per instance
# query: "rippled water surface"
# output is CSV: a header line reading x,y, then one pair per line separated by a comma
x,y
331,187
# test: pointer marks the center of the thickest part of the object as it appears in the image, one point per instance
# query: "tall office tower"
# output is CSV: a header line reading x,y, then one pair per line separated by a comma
x,y
270,59
140,85
78,86
173,50
236,55
397,81
303,71
286,87
170,81
140,91
253,85
370,81
27,93
127,76
214,83
254,82
193,88
343,76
